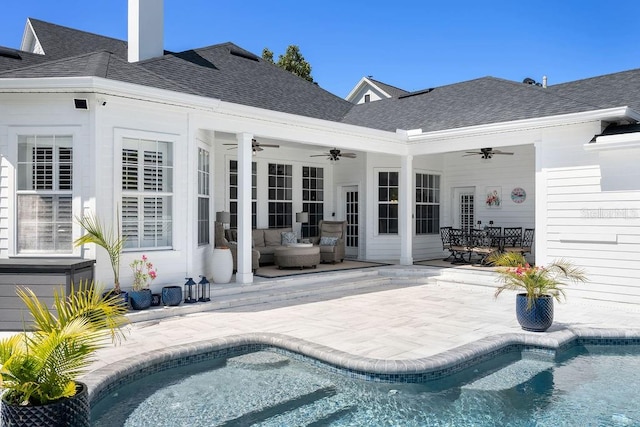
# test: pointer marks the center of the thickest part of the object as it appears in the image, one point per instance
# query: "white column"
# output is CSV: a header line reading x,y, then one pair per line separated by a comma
x,y
405,210
245,154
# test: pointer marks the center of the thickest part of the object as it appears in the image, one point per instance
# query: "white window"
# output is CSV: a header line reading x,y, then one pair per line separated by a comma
x,y
147,193
388,202
280,195
312,199
233,193
203,196
44,194
427,203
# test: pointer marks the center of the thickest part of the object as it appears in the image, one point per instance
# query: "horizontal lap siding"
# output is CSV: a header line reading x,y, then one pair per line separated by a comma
x,y
598,230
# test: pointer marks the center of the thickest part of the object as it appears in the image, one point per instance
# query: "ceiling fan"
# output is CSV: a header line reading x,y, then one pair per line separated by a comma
x,y
255,145
335,154
487,153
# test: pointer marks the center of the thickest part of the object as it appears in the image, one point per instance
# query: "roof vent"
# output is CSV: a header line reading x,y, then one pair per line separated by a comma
x,y
9,53
419,92
530,81
243,54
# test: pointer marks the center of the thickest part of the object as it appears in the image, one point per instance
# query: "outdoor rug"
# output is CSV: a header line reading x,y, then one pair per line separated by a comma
x,y
270,271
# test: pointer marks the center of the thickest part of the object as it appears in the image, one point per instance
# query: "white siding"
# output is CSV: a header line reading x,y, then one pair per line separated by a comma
x,y
593,215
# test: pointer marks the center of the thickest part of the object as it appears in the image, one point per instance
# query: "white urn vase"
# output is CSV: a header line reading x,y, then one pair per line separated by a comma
x,y
222,265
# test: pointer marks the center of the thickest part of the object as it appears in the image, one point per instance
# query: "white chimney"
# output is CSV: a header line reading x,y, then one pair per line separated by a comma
x,y
146,28
544,81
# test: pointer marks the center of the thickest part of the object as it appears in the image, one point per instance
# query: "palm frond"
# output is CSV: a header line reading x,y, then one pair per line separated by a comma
x,y
107,237
42,366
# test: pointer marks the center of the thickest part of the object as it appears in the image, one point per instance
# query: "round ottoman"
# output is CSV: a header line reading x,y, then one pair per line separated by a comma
x,y
299,257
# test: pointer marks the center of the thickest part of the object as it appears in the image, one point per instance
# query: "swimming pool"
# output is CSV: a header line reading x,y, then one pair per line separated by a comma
x,y
585,385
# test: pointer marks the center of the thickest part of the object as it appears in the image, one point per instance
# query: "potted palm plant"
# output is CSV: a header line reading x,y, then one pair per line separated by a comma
x,y
143,273
39,369
539,286
108,238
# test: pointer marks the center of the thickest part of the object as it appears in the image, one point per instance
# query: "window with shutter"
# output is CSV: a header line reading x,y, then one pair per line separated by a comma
x,y
147,193
45,194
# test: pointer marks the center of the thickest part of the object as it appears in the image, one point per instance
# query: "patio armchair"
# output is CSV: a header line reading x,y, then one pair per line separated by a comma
x,y
331,240
523,245
445,236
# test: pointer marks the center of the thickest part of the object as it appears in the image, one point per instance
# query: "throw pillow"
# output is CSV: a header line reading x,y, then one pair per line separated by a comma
x,y
328,241
288,237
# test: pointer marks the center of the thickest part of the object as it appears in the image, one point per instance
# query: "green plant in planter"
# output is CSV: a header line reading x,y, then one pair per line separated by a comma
x,y
108,238
518,275
143,273
40,367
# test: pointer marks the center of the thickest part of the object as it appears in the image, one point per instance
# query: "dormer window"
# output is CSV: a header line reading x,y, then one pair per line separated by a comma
x,y
367,98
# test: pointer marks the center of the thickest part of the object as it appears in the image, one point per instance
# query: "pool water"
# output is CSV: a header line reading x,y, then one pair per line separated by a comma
x,y
586,386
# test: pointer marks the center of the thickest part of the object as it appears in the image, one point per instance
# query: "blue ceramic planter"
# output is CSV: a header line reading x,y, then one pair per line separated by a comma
x,y
141,299
172,295
539,317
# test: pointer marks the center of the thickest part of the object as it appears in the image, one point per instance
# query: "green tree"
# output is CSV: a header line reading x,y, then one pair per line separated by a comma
x,y
292,61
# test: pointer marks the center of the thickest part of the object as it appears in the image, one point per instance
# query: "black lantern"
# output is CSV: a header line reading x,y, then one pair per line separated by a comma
x,y
190,291
205,289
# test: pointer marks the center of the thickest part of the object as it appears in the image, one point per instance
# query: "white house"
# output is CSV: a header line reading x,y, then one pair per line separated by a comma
x,y
165,140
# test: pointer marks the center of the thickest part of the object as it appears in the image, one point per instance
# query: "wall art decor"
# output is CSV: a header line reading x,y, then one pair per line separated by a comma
x,y
518,195
493,199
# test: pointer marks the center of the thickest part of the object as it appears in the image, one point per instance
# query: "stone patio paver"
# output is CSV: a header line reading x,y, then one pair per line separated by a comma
x,y
401,323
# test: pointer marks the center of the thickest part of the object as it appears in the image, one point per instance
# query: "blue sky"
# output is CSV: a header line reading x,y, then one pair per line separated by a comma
x,y
409,44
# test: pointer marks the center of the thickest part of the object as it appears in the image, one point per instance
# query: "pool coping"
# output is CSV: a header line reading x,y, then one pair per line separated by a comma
x,y
108,378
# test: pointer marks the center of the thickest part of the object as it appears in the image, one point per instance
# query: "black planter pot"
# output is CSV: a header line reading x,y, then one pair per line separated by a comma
x,y
172,295
539,317
72,411
140,300
124,295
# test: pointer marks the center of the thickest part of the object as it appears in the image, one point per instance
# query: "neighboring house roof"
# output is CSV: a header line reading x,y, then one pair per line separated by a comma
x,y
391,90
380,90
474,102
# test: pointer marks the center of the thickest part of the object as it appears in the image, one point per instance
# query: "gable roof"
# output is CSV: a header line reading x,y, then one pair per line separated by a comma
x,y
474,102
63,42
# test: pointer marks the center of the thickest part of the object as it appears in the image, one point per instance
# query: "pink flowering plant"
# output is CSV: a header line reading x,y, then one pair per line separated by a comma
x,y
143,273
517,274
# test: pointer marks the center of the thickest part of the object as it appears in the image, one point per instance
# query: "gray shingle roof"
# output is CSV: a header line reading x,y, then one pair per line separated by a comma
x,y
12,58
229,73
211,71
391,90
97,64
63,42
610,90
215,72
475,102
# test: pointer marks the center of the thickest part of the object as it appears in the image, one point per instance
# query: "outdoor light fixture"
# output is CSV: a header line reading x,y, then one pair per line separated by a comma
x,y
205,289
190,291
